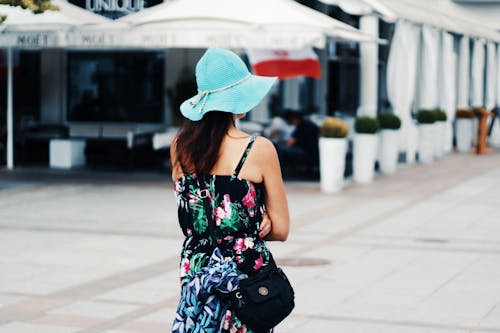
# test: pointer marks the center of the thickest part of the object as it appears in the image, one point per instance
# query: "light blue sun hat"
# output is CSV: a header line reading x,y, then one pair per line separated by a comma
x,y
225,84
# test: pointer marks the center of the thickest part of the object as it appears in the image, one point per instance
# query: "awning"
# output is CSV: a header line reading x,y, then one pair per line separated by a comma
x,y
442,14
362,7
259,24
23,29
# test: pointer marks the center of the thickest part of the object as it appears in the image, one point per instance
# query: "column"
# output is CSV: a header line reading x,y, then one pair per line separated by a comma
x,y
369,68
53,89
291,94
10,111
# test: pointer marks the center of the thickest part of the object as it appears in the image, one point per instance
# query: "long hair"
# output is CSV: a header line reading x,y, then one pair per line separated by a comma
x,y
198,142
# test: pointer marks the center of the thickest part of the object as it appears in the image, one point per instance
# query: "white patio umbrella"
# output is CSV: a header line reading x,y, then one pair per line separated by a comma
x,y
23,29
463,92
492,83
448,85
401,81
428,83
477,74
495,134
498,76
259,24
491,77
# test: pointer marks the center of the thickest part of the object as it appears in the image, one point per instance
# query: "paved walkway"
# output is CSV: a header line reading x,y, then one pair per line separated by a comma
x,y
415,252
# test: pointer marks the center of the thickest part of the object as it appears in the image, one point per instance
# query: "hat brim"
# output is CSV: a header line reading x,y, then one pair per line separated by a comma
x,y
238,99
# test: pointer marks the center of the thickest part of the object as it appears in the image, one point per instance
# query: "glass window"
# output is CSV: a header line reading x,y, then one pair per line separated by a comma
x,y
115,86
385,32
343,91
26,94
26,87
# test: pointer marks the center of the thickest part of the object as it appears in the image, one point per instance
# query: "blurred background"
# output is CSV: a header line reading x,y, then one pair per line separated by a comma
x,y
385,118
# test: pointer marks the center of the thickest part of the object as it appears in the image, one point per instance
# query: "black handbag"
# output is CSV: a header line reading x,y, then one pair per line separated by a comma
x,y
262,300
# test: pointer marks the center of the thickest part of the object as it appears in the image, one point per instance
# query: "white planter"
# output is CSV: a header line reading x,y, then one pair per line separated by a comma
x,y
426,144
412,147
463,133
439,137
389,151
67,153
332,153
364,152
448,136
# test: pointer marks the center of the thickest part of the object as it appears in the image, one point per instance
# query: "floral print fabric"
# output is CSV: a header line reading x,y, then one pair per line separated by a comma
x,y
236,208
199,307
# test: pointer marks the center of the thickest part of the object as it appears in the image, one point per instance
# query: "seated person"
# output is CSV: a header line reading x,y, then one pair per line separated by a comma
x,y
280,131
302,147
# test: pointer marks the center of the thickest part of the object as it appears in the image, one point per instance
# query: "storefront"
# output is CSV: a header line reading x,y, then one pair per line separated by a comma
x,y
113,95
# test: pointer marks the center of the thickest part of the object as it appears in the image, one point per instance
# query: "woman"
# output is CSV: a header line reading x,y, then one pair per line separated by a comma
x,y
244,202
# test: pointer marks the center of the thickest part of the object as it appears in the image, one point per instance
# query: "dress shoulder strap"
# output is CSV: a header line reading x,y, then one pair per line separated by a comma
x,y
244,157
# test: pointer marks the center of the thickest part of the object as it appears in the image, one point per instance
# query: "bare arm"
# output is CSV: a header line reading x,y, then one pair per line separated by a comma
x,y
274,197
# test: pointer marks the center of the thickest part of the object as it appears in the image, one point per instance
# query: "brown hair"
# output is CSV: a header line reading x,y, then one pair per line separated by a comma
x,y
198,142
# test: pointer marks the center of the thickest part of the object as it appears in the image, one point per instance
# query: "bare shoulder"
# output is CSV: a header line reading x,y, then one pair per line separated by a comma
x,y
264,148
264,144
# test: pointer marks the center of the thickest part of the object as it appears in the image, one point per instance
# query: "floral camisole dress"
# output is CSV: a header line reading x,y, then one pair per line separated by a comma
x,y
237,206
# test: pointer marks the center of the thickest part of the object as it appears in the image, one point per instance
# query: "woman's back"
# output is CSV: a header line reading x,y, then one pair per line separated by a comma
x,y
227,216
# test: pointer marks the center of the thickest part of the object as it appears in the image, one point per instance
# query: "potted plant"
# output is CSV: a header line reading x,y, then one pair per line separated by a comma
x,y
439,132
389,133
463,129
332,151
365,149
426,135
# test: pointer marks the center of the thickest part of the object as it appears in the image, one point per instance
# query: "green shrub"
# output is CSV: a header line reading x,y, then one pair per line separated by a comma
x,y
389,120
440,115
334,128
366,125
464,113
426,116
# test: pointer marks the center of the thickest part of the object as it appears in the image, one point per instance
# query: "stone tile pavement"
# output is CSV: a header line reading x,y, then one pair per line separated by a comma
x,y
97,252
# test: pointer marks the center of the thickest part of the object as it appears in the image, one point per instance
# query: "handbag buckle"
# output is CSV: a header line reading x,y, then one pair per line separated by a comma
x,y
204,193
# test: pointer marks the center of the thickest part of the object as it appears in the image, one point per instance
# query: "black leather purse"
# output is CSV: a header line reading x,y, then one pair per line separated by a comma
x,y
263,300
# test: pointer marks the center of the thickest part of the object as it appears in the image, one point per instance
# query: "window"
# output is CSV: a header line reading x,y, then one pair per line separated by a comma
x,y
115,86
26,87
343,91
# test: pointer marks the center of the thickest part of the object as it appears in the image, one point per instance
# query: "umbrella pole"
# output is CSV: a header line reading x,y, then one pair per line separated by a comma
x,y
10,113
